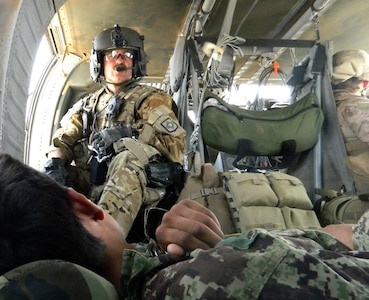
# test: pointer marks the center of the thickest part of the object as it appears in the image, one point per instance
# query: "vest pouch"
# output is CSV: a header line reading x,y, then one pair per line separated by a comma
x,y
206,190
299,218
249,189
260,217
290,190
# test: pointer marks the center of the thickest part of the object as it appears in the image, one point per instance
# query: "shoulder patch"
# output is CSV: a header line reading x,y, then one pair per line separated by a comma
x,y
169,125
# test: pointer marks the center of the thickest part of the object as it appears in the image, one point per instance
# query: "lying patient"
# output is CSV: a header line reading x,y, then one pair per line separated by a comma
x,y
40,219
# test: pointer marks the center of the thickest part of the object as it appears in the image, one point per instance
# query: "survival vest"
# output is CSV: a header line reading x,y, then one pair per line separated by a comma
x,y
124,108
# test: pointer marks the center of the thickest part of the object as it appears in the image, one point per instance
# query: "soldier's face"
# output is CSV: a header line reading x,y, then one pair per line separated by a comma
x,y
118,65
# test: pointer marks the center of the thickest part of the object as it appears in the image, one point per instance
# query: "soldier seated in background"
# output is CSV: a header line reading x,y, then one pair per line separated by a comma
x,y
350,79
114,134
42,220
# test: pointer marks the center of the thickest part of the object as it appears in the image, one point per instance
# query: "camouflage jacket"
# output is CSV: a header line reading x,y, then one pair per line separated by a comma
x,y
353,117
141,106
54,279
257,264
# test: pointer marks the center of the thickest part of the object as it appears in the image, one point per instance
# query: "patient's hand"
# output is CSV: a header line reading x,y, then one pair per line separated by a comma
x,y
187,226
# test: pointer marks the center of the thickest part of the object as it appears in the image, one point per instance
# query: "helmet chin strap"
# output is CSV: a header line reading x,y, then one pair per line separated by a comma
x,y
114,83
122,84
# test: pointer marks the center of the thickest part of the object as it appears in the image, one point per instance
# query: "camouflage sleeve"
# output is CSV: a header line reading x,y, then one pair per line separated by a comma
x,y
161,128
354,118
318,272
360,233
69,132
257,264
54,279
134,271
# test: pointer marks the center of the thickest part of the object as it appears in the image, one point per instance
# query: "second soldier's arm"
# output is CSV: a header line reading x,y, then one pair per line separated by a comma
x,y
65,137
160,126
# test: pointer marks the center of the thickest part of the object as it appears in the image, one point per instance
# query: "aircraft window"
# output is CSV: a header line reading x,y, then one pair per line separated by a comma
x,y
244,94
42,99
53,66
42,59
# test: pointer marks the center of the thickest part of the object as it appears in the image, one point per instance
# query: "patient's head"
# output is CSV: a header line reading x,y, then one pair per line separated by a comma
x,y
36,221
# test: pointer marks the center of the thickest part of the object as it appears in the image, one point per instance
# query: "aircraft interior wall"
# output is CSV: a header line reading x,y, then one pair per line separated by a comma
x,y
23,24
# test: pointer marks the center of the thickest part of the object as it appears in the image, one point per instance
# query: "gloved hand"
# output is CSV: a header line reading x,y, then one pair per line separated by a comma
x,y
54,168
104,139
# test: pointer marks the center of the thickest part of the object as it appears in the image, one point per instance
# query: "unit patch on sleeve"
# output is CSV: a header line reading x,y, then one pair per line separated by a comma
x,y
169,125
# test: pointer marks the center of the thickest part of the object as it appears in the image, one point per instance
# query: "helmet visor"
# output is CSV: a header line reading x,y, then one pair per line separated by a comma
x,y
113,55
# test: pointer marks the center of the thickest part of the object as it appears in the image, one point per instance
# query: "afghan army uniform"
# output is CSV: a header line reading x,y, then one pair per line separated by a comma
x,y
54,279
257,264
353,117
157,136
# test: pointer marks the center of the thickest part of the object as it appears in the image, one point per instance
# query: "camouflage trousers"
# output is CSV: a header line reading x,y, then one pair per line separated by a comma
x,y
359,166
125,186
285,264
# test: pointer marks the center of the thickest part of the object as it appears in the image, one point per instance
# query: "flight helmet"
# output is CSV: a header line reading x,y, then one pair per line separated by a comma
x,y
117,37
348,64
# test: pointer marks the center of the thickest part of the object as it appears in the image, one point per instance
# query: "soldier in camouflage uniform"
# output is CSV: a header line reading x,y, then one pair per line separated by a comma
x,y
41,220
350,80
124,125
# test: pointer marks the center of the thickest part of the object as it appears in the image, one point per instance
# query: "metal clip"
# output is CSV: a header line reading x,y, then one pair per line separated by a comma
x,y
113,107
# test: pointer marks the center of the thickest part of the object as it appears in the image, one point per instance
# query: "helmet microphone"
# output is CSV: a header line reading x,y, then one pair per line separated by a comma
x,y
123,68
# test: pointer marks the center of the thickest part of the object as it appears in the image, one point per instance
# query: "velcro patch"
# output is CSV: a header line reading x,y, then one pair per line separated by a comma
x,y
169,125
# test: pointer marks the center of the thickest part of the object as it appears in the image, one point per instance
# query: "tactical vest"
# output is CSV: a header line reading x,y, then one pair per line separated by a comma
x,y
127,102
242,201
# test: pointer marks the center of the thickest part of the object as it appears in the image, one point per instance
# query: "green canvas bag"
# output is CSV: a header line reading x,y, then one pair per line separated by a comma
x,y
237,131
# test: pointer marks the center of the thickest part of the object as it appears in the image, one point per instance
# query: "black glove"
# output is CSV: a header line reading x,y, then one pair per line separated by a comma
x,y
103,140
54,168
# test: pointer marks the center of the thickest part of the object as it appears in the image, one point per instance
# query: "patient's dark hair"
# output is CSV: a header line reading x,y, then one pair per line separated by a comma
x,y
36,221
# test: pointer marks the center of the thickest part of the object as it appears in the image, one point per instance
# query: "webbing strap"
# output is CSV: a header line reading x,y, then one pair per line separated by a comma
x,y
206,192
134,147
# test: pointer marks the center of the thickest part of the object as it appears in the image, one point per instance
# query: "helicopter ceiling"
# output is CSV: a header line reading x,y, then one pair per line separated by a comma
x,y
163,21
